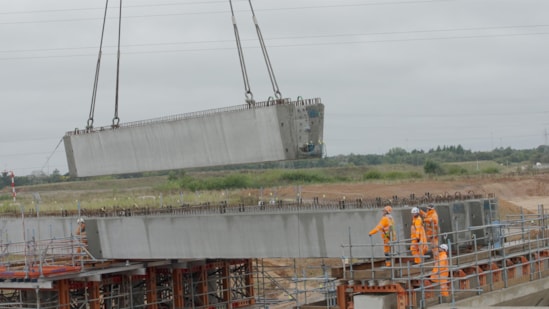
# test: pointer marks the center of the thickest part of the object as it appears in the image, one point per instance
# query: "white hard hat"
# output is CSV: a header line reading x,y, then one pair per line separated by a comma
x,y
80,220
415,210
443,247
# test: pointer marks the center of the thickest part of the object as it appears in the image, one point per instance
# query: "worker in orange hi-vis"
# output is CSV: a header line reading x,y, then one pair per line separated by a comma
x,y
440,270
417,234
81,234
430,221
386,226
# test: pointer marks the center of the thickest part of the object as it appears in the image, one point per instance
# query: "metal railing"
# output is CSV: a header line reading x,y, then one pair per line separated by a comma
x,y
299,204
513,251
200,114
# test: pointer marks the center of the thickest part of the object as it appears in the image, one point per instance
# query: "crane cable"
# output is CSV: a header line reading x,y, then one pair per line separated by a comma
x,y
89,125
277,93
116,120
248,93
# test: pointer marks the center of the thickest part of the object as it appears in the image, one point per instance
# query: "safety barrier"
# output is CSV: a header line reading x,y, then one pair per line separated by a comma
x,y
517,251
275,206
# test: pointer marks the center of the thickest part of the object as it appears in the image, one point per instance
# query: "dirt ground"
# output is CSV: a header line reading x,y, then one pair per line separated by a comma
x,y
512,192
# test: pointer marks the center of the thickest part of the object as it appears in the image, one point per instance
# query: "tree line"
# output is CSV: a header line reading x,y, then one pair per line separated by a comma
x,y
430,160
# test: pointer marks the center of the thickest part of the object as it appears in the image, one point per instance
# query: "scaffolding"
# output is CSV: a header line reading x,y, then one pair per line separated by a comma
x,y
147,284
60,273
513,251
295,282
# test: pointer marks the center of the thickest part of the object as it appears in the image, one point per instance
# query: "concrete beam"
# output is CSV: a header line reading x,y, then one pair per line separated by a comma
x,y
265,132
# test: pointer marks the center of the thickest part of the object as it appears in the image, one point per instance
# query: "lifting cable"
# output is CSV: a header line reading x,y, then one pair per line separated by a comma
x,y
89,125
248,92
116,120
277,93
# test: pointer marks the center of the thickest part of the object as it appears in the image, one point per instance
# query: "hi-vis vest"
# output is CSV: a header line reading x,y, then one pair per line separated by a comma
x,y
389,231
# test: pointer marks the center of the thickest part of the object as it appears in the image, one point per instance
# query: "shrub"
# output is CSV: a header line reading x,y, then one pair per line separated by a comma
x,y
415,175
456,170
235,181
373,174
432,167
303,177
491,170
395,175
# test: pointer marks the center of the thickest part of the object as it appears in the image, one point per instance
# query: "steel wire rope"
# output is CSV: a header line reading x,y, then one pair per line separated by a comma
x,y
293,45
116,119
339,5
247,91
276,90
339,35
127,6
223,12
51,154
89,124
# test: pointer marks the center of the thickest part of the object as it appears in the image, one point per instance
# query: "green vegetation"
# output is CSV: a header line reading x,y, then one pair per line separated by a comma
x,y
246,179
246,183
438,161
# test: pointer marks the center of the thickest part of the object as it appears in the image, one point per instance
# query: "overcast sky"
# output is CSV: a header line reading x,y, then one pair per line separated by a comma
x,y
392,73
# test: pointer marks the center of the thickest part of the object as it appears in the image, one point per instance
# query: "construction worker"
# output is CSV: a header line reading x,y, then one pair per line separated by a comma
x,y
81,234
417,234
430,220
440,270
386,226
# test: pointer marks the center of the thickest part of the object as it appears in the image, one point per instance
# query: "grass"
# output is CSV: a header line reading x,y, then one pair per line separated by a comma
x,y
244,186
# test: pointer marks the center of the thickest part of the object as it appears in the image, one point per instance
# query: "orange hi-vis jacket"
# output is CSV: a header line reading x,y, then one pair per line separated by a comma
x,y
440,270
417,231
386,226
419,240
430,218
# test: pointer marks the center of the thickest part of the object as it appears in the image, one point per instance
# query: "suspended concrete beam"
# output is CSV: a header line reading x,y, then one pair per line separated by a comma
x,y
267,131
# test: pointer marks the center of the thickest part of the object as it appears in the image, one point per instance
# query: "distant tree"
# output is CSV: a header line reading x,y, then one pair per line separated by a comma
x,y
432,168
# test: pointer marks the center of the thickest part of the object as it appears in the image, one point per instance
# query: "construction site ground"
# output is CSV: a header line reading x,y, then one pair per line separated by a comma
x,y
512,192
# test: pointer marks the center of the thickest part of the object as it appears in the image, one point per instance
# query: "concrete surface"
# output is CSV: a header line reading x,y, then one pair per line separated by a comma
x,y
378,301
237,135
527,295
253,234
290,231
249,235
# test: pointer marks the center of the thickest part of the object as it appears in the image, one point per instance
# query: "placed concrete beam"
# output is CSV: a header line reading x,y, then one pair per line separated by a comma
x,y
262,234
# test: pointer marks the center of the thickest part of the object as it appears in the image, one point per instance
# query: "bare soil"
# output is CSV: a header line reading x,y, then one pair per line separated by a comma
x,y
512,192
